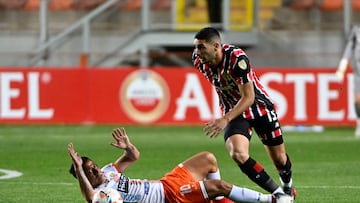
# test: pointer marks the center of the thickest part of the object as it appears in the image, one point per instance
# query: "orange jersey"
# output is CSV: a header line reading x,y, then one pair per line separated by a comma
x,y
181,187
177,186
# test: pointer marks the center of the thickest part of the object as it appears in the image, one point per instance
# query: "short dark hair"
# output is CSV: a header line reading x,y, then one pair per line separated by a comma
x,y
72,169
207,33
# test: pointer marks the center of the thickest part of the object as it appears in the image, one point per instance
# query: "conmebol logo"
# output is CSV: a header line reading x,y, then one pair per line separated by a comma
x,y
144,96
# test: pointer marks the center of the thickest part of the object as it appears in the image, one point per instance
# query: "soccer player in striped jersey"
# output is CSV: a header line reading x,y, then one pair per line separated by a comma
x,y
246,106
196,180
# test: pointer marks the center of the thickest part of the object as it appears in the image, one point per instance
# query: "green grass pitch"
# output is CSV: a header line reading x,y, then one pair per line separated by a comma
x,y
326,165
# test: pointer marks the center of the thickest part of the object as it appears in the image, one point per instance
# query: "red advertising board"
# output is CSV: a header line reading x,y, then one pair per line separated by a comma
x,y
163,96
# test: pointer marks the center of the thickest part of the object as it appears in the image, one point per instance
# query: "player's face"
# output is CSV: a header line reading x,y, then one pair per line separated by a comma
x,y
94,173
206,51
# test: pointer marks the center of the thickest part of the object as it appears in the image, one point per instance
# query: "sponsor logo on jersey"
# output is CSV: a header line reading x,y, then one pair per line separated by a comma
x,y
123,185
131,197
146,187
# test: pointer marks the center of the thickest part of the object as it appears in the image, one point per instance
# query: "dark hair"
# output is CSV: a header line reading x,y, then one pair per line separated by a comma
x,y
72,169
207,33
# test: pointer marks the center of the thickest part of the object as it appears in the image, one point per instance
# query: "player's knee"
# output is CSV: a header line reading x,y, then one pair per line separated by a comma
x,y
210,157
239,157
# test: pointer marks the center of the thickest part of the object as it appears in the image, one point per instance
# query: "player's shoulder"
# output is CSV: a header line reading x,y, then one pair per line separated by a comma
x,y
109,167
235,51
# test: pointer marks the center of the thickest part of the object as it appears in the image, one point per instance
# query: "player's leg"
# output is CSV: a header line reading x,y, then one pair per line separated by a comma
x,y
283,164
268,130
214,188
204,166
201,165
357,103
237,135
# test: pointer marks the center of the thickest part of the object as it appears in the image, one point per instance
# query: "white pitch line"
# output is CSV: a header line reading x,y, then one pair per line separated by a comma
x,y
9,174
328,187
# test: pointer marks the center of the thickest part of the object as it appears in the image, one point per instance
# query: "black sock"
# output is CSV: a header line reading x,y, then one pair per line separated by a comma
x,y
256,173
285,171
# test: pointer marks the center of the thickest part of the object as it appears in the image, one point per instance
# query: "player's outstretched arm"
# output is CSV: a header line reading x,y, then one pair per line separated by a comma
x,y
131,153
346,56
85,186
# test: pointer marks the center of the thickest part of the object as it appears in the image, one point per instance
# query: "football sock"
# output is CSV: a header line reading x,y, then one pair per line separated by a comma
x,y
256,173
285,171
240,194
289,184
214,176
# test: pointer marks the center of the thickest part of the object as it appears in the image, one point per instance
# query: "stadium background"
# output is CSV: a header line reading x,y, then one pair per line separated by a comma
x,y
60,75
296,44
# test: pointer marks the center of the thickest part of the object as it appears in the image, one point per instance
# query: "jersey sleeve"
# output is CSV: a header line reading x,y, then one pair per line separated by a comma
x,y
110,169
241,69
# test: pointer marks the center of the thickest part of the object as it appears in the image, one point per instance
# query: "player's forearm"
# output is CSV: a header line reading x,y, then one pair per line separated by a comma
x,y
85,186
132,153
130,156
239,108
246,100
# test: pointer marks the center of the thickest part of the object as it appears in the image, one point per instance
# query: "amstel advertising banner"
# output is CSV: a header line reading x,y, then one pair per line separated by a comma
x,y
163,96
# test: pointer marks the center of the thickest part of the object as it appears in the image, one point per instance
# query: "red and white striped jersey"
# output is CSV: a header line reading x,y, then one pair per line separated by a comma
x,y
235,69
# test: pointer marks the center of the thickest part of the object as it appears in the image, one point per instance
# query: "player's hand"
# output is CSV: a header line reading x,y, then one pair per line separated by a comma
x,y
215,127
121,139
75,156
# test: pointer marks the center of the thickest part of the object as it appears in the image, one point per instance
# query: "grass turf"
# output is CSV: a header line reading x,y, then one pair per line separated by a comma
x,y
326,165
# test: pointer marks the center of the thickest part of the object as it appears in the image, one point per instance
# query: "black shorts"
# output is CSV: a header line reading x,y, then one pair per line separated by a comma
x,y
266,127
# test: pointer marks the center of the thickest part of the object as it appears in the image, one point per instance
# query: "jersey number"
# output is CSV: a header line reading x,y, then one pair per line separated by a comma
x,y
185,189
272,116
